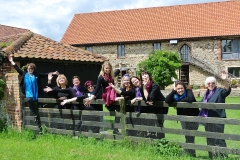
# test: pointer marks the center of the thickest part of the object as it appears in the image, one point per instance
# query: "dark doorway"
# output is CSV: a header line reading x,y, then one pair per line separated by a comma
x,y
184,74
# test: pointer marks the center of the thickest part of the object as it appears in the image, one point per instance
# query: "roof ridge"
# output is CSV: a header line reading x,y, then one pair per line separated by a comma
x,y
18,43
177,5
14,27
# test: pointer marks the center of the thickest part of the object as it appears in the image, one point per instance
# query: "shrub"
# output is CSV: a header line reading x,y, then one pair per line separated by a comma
x,y
233,82
162,66
166,148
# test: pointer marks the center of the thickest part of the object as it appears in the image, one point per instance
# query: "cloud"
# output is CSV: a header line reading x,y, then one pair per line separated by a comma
x,y
51,18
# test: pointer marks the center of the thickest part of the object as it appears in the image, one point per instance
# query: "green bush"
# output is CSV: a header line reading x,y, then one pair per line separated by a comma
x,y
162,66
233,82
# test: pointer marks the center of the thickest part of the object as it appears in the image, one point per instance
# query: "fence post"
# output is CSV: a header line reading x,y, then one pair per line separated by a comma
x,y
123,117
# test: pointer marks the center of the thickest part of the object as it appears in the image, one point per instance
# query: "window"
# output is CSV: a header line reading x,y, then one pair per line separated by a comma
x,y
156,46
121,51
231,49
185,53
88,48
234,71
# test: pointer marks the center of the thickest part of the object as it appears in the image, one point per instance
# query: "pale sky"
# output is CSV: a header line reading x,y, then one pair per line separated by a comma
x,y
51,18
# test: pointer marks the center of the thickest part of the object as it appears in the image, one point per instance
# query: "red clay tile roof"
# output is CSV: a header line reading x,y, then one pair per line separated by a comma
x,y
36,46
10,31
158,23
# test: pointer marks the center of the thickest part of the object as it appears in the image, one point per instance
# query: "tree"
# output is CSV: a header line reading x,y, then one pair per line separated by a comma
x,y
162,66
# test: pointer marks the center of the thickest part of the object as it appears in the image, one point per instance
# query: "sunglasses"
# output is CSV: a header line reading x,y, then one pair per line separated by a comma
x,y
89,86
211,83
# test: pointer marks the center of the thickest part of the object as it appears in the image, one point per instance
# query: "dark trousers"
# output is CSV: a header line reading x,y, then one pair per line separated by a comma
x,y
117,119
147,122
219,128
34,111
190,139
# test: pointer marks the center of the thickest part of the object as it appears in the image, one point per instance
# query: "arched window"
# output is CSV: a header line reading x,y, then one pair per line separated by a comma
x,y
185,53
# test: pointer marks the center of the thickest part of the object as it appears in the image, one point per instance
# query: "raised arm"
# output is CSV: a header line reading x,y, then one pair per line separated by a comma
x,y
15,66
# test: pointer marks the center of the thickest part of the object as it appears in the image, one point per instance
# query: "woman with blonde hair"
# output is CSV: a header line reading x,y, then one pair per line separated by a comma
x,y
61,91
105,77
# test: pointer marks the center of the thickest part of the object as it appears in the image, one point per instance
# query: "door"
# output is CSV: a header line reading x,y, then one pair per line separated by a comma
x,y
184,74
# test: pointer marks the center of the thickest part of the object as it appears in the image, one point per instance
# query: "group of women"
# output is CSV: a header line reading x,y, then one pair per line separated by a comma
x,y
132,88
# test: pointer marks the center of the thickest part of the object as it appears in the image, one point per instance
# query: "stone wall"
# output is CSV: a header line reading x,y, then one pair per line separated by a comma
x,y
13,100
208,50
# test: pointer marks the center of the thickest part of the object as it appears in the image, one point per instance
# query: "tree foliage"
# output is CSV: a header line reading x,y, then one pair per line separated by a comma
x,y
162,66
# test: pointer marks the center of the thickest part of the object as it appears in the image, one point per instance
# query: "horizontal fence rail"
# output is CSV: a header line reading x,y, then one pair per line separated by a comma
x,y
137,127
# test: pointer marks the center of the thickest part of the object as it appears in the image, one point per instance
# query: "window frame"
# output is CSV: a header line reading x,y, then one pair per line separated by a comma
x,y
235,71
230,49
121,51
88,48
157,46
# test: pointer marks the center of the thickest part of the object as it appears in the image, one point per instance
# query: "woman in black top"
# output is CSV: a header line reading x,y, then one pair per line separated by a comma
x,y
105,77
126,91
61,91
90,88
181,94
151,92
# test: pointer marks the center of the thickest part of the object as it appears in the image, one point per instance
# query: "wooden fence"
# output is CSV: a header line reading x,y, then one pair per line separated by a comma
x,y
132,125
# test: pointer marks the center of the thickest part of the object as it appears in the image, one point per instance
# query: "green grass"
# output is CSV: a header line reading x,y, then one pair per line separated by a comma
x,y
230,129
26,145
23,146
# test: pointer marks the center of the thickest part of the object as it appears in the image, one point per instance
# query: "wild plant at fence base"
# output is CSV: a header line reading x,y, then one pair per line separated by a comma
x,y
164,147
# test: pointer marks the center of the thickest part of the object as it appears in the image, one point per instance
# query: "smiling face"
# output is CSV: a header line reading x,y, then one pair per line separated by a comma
x,y
76,82
135,82
107,69
180,89
125,81
90,88
145,78
61,80
211,85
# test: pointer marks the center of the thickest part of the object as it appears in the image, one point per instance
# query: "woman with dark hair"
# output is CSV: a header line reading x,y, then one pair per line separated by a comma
x,y
181,94
151,92
31,85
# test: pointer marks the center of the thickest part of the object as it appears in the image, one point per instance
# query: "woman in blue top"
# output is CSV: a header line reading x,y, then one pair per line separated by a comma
x,y
31,85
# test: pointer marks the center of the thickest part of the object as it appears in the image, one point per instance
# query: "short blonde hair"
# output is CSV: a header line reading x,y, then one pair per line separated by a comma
x,y
59,77
210,79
